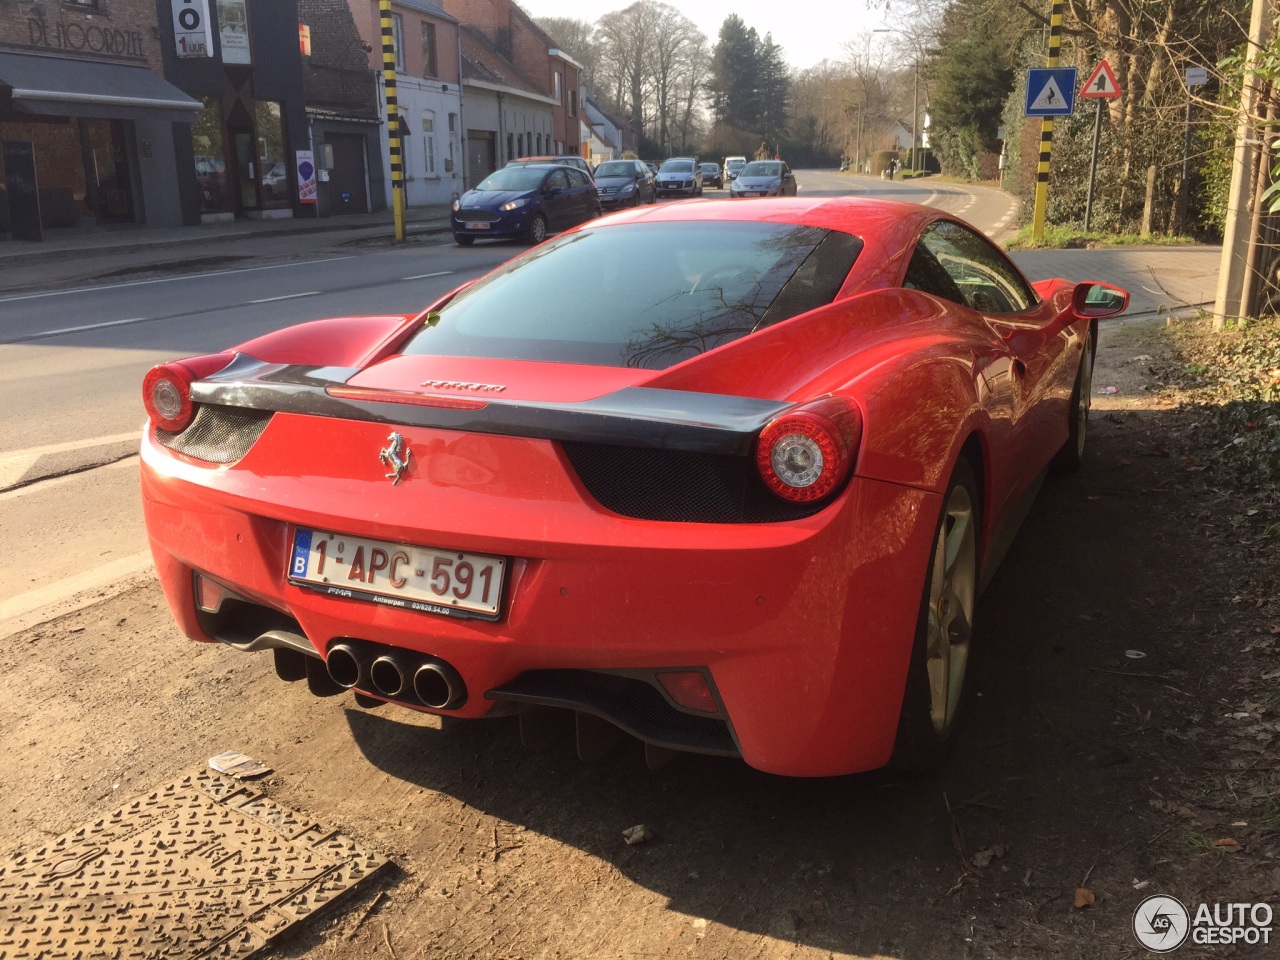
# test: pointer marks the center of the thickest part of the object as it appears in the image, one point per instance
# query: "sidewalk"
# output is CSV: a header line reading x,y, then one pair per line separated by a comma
x,y
77,254
1162,279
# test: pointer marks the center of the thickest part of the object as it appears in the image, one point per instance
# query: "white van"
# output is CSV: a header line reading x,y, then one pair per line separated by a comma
x,y
731,167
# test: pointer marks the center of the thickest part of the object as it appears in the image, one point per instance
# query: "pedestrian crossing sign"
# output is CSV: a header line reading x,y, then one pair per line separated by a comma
x,y
1051,91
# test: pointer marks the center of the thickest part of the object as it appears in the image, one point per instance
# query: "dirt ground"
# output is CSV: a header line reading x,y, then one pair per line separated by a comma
x,y
1121,741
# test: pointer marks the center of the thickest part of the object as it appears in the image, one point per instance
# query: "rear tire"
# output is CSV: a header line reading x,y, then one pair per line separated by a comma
x,y
940,654
1069,458
537,229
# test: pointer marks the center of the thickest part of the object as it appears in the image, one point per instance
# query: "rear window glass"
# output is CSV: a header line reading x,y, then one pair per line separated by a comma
x,y
512,178
644,295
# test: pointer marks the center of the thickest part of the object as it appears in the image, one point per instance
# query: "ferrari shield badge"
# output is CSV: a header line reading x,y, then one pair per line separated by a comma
x,y
396,455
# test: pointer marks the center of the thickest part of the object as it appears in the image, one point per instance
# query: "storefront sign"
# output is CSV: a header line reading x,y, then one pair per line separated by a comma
x,y
84,38
20,183
306,165
191,29
233,31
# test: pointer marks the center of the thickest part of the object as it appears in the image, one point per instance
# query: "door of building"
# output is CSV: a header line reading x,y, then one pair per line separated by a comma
x,y
348,180
245,159
482,155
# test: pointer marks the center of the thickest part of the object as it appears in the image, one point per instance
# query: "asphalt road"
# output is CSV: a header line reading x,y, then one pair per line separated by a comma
x,y
74,349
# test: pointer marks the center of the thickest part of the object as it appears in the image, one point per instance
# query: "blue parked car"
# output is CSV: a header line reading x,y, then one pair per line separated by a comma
x,y
527,202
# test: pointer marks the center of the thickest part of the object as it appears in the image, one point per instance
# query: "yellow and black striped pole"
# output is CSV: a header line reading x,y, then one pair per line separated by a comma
x,y
393,117
1046,130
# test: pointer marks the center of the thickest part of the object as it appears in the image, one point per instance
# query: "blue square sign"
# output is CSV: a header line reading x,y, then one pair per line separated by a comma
x,y
1051,91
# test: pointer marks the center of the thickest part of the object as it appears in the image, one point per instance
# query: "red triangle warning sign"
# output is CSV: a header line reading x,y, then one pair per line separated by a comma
x,y
1101,83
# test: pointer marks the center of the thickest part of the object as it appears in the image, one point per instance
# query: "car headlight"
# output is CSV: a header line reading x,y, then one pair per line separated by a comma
x,y
627,188
512,205
457,204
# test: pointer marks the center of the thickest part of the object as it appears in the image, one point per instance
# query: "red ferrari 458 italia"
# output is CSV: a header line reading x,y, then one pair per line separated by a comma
x,y
729,477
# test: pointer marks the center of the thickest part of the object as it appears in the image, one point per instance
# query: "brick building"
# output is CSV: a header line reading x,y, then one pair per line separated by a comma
x,y
92,131
511,33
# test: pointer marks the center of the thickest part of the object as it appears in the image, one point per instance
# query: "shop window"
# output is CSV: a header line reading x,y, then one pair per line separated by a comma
x,y
276,192
429,67
210,156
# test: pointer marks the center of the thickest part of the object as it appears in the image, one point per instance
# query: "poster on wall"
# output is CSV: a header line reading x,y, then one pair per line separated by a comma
x,y
193,36
233,31
306,165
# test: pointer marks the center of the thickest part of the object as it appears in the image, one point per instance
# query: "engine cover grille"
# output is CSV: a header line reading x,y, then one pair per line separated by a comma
x,y
679,486
218,434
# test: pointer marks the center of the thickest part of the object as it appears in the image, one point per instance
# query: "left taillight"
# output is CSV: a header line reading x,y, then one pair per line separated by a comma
x,y
808,452
166,389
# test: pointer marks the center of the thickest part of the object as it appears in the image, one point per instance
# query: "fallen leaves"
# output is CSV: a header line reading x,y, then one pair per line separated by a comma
x,y
1084,898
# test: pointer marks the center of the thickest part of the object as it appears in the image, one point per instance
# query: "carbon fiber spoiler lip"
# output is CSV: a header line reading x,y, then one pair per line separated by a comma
x,y
633,416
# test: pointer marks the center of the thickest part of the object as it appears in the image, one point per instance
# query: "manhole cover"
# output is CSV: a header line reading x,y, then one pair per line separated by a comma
x,y
205,867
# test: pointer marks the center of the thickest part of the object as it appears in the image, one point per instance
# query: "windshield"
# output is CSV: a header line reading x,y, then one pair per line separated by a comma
x,y
642,295
512,178
618,168
678,166
710,168
737,164
762,168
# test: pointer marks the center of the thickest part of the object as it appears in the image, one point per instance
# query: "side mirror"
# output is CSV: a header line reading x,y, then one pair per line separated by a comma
x,y
1097,300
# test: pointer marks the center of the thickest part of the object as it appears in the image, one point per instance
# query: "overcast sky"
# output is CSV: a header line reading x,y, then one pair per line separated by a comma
x,y
807,30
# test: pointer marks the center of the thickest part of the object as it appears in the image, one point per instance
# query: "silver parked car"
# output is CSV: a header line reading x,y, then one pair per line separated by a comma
x,y
764,178
625,183
680,175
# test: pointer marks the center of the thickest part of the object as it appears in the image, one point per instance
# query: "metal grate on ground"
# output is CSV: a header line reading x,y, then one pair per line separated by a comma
x,y
204,867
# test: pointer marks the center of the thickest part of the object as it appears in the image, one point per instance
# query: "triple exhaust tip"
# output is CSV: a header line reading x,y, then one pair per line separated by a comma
x,y
435,683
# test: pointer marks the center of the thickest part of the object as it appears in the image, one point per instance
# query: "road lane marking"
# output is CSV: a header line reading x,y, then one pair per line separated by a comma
x,y
73,593
88,326
427,276
287,296
15,464
185,276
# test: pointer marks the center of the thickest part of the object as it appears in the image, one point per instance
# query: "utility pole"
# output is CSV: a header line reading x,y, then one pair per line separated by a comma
x,y
1229,301
915,117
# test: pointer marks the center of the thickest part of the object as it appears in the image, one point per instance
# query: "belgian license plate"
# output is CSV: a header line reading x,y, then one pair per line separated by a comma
x,y
426,579
477,225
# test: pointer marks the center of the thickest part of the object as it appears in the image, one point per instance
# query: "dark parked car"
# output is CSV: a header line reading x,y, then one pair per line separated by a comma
x,y
625,183
764,178
527,202
569,160
680,175
711,176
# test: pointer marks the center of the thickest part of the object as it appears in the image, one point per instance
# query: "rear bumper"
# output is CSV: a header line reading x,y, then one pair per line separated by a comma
x,y
805,627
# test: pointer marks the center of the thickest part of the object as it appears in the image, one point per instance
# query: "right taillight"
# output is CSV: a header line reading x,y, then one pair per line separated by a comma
x,y
166,389
808,453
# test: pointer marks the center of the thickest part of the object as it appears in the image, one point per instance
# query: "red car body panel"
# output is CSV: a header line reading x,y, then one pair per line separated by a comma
x,y
805,626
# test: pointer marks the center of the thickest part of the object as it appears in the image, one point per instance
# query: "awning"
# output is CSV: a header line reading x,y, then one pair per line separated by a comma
x,y
84,88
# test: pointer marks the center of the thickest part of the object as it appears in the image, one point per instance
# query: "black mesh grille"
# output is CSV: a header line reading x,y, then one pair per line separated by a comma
x,y
679,486
217,434
473,216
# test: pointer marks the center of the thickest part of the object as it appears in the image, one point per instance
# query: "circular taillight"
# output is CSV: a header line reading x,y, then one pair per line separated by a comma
x,y
806,454
166,390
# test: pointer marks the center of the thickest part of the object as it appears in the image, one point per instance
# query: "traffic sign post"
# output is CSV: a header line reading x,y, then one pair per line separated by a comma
x,y
1051,92
1041,96
1196,77
1100,86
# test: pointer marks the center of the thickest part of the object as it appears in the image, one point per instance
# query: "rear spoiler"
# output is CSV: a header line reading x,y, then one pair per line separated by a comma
x,y
633,416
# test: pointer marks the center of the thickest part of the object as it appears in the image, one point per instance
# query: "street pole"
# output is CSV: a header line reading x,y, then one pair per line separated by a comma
x,y
394,146
1184,185
1093,168
1041,205
915,117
